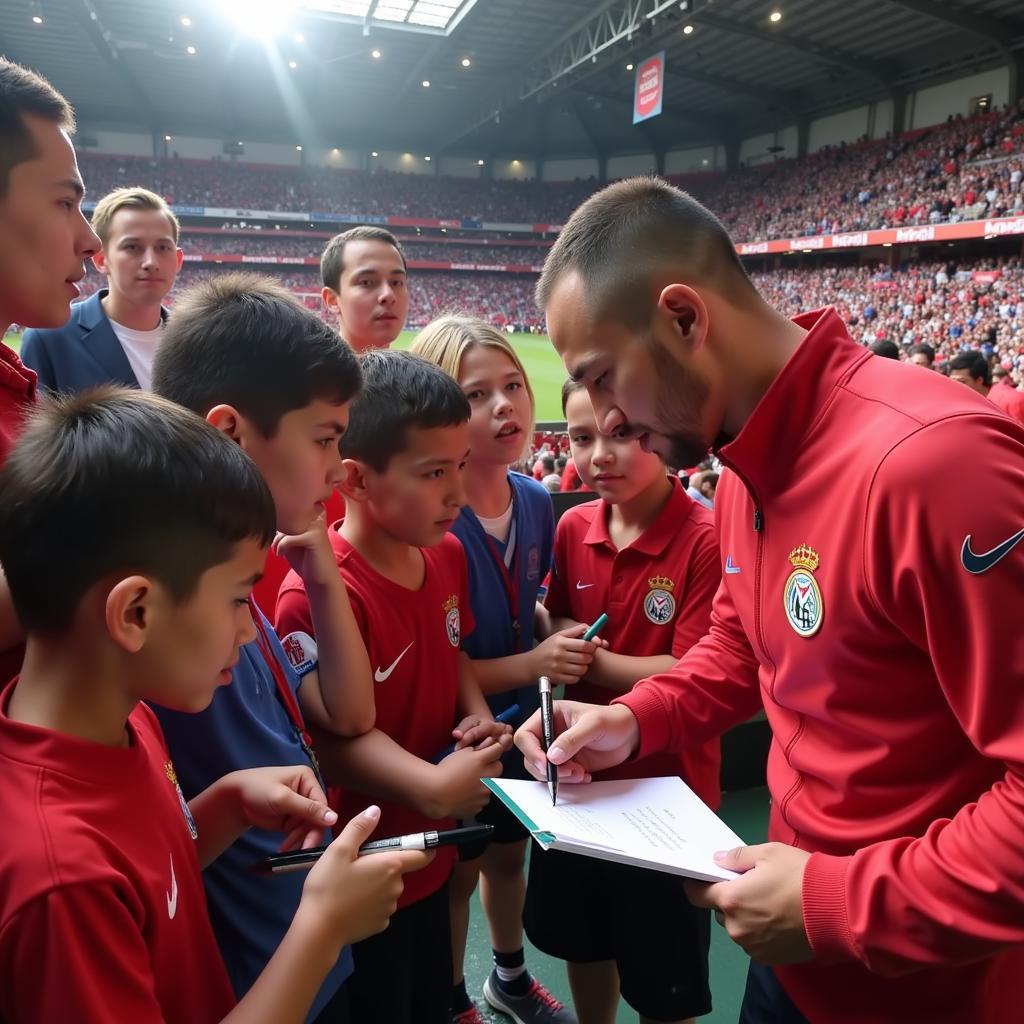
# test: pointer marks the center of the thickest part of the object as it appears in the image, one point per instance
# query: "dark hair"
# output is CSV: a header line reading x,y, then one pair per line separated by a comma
x,y
924,349
975,363
560,463
400,391
244,340
24,92
624,235
332,261
569,387
709,478
885,348
548,462
120,481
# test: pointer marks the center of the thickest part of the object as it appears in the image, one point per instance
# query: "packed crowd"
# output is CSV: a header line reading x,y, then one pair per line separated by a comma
x,y
966,168
950,306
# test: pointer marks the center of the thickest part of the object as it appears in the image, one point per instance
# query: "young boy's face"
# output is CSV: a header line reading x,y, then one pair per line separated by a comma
x,y
301,462
416,500
46,239
192,647
141,258
371,298
613,466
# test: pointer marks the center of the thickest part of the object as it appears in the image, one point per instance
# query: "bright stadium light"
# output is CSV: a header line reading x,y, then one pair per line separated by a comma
x,y
375,54
427,158
687,30
374,153
775,17
167,138
190,50
629,67
426,83
466,62
186,21
262,18
293,64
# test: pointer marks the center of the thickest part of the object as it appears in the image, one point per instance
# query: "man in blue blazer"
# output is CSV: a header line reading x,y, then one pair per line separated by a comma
x,y
112,336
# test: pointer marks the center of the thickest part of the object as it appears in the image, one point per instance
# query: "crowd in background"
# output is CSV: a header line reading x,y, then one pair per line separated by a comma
x,y
965,168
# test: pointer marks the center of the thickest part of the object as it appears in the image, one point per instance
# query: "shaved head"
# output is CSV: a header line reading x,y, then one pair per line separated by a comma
x,y
635,233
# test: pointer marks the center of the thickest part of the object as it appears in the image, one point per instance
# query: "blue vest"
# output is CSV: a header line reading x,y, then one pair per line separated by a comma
x,y
246,726
493,635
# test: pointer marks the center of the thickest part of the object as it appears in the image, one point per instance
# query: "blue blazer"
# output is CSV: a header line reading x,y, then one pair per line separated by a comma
x,y
82,354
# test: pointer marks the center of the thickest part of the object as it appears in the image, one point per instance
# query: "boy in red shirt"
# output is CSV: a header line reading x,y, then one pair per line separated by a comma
x,y
102,912
646,554
406,444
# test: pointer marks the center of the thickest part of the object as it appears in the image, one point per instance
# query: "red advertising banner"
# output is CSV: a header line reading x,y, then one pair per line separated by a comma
x,y
649,88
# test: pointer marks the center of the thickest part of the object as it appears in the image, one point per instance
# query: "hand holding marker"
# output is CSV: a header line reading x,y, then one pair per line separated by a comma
x,y
547,715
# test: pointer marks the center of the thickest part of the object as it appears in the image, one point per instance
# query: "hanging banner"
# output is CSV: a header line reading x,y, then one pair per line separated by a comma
x,y
649,88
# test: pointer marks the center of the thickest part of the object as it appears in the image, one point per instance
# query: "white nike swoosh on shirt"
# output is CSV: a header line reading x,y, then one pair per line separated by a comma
x,y
172,896
583,586
381,675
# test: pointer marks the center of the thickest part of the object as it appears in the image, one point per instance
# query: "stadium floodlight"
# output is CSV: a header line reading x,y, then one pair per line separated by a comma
x,y
687,30
186,21
263,18
293,64
37,12
426,83
427,158
374,153
629,67
465,62
376,54
167,138
775,17
190,50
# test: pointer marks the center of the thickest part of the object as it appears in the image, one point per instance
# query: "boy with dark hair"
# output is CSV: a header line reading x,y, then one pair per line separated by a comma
x,y
972,368
102,915
403,453
366,284
274,378
922,355
112,337
46,237
646,554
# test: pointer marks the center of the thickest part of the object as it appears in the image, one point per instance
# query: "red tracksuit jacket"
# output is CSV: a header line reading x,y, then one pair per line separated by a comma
x,y
872,541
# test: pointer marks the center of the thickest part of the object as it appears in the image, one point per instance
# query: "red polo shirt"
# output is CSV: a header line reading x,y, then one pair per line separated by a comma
x,y
657,593
1009,399
413,639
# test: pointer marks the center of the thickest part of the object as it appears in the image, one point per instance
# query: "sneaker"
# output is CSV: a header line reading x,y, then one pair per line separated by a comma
x,y
470,1016
537,1006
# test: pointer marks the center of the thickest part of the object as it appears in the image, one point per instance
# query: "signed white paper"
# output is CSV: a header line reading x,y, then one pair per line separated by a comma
x,y
656,823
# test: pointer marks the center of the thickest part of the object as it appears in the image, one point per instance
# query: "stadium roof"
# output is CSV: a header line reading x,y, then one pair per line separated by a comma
x,y
506,77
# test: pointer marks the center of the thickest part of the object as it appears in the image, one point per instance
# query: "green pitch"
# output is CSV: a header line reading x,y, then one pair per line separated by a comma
x,y
542,365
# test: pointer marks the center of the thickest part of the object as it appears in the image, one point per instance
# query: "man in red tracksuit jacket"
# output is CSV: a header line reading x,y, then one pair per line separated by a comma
x,y
871,606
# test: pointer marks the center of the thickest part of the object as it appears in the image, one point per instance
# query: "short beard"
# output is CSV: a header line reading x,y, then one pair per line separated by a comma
x,y
680,397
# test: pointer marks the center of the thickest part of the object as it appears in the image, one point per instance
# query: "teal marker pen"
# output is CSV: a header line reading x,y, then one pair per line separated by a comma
x,y
596,626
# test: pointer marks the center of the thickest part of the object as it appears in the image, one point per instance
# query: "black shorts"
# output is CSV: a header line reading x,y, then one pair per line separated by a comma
x,y
585,910
404,974
507,829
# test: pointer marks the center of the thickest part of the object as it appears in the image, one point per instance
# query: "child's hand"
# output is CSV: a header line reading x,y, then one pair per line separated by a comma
x,y
457,791
565,656
309,553
353,897
282,799
477,731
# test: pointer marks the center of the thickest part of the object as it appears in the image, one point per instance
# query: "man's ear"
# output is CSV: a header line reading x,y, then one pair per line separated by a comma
x,y
230,422
99,261
355,483
129,610
684,311
330,300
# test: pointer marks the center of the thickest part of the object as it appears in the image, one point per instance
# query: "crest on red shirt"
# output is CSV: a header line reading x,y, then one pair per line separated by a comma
x,y
659,604
801,596
451,620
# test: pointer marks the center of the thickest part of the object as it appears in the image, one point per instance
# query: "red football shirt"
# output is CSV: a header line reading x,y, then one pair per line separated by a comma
x,y
102,910
1009,399
657,593
412,638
